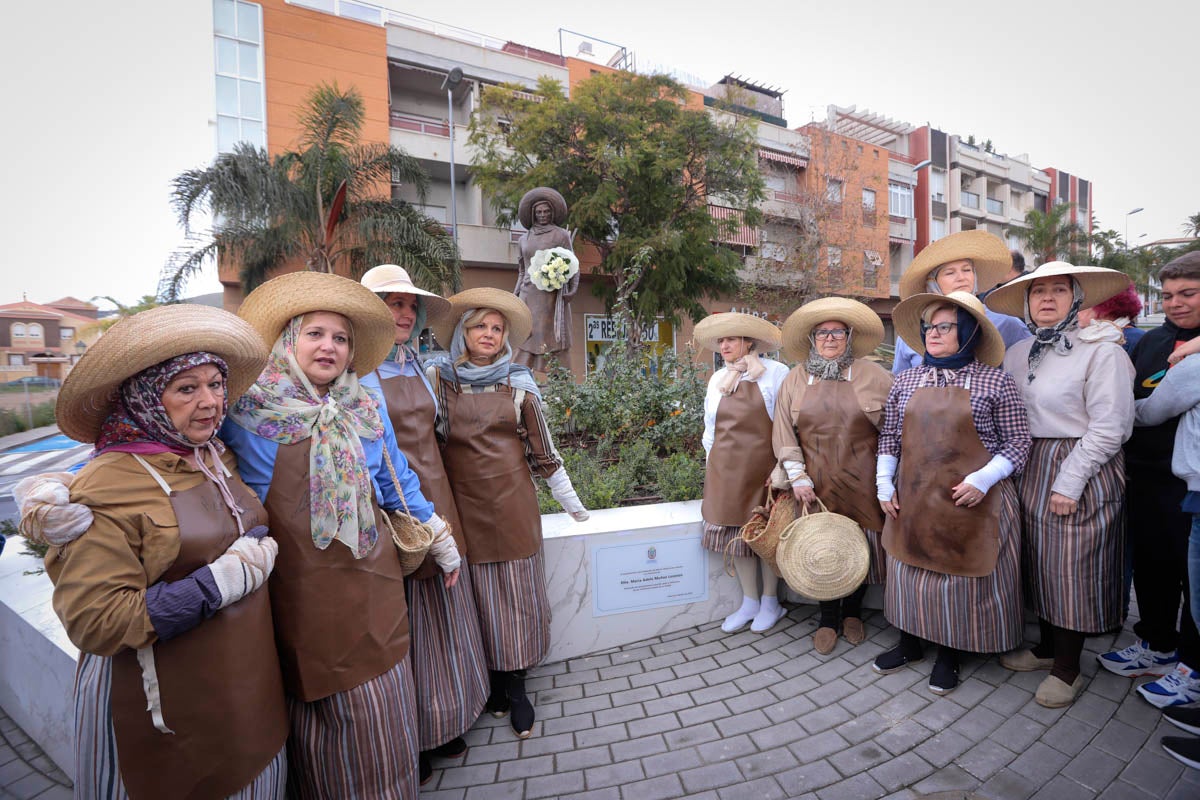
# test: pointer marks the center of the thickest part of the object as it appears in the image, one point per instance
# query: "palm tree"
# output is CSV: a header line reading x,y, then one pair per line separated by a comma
x,y
1050,236
326,204
1192,226
147,302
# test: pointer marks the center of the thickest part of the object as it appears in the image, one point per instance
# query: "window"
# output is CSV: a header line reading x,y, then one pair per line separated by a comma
x,y
1014,242
18,330
67,334
937,185
16,360
775,182
869,199
35,331
937,229
833,190
872,261
237,41
900,200
834,256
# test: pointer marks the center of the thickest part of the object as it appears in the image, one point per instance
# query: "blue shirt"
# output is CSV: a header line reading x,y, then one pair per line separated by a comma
x,y
1012,330
1132,335
393,369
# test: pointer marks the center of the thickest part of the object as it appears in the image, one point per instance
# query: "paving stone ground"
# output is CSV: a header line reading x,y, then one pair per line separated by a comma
x,y
706,715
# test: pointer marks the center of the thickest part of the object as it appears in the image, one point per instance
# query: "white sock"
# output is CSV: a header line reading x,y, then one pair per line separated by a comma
x,y
738,619
769,613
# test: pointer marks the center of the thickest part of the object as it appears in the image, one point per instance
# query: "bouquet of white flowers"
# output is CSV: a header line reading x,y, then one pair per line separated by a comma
x,y
549,270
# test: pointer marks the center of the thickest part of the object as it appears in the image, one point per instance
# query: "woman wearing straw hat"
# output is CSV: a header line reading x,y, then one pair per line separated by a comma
x,y
826,428
178,691
449,668
738,411
968,261
543,212
493,437
1079,395
311,442
954,429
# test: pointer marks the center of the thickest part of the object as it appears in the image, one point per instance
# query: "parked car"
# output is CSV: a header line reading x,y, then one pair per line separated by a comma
x,y
35,381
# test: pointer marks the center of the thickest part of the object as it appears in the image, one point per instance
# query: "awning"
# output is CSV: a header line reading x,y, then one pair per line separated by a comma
x,y
783,158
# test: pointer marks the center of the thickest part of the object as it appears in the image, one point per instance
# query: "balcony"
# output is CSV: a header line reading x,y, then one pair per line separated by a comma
x,y
995,206
969,200
745,235
408,122
902,229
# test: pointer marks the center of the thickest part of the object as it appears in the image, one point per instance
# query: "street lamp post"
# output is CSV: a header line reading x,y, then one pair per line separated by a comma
x,y
1127,216
453,78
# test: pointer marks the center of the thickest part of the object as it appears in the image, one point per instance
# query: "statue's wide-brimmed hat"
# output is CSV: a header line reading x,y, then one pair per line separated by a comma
x,y
516,314
733,323
388,278
988,253
1098,284
865,324
271,306
542,194
144,340
906,318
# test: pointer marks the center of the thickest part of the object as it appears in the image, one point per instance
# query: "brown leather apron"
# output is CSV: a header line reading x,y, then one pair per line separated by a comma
x,y
939,447
839,445
220,684
339,621
411,410
741,458
485,461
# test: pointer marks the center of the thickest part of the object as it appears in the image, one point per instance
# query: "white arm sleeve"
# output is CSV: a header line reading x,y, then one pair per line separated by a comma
x,y
990,473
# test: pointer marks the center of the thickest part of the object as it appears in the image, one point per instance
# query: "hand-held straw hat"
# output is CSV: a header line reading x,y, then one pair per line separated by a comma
x,y
988,254
1098,284
733,323
542,194
516,314
139,342
388,278
271,306
906,317
866,325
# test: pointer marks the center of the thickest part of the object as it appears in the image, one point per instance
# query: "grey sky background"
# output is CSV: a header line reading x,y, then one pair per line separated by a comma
x,y
106,102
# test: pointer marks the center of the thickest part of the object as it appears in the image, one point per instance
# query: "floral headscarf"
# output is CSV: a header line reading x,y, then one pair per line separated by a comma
x,y
284,407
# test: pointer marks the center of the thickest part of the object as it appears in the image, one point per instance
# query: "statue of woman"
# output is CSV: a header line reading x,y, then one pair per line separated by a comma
x,y
543,211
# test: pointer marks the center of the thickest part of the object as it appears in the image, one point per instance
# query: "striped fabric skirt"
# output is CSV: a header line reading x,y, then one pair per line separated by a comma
x,y
449,668
1073,566
97,776
360,744
514,612
718,537
877,572
981,615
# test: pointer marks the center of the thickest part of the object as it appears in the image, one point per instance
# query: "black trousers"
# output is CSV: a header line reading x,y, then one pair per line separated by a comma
x,y
1160,531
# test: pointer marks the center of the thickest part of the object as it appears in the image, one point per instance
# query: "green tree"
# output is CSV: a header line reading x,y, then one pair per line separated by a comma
x,y
638,169
327,204
1192,226
1052,237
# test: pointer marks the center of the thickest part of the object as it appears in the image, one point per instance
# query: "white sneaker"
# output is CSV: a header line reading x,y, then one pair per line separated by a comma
x,y
740,618
1179,688
768,614
1138,659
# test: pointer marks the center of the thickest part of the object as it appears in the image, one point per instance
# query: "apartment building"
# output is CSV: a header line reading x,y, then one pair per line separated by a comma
x,y
44,340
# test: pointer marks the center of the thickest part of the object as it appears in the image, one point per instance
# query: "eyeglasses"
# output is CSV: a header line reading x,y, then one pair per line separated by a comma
x,y
837,334
943,328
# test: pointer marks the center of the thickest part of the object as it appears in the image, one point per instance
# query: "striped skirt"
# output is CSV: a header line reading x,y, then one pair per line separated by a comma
x,y
718,537
981,615
449,668
1073,566
360,744
877,572
97,776
514,612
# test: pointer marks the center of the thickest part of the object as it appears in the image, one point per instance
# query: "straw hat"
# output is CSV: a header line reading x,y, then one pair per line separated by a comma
x,y
733,323
865,323
271,306
542,194
1098,285
823,556
988,254
513,308
148,338
388,278
906,318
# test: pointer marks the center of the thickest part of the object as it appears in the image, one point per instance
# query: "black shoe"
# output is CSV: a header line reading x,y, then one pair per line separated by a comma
x,y
425,766
455,748
1184,749
522,710
944,678
897,658
1184,717
497,702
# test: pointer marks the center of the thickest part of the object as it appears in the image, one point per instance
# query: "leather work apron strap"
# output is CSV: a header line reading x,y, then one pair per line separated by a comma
x,y
839,444
412,411
339,620
485,461
220,692
940,446
741,458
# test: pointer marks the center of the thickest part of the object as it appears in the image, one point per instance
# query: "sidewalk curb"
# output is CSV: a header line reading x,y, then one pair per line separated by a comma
x,y
28,437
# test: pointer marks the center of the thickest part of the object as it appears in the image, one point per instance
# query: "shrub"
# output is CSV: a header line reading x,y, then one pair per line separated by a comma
x,y
680,477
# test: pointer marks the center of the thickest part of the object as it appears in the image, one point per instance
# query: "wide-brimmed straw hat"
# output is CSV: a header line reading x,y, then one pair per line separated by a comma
x,y
139,342
1098,285
271,306
866,325
542,194
988,253
733,323
388,278
906,318
513,308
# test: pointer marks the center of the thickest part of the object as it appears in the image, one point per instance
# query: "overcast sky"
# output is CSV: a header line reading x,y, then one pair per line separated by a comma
x,y
105,102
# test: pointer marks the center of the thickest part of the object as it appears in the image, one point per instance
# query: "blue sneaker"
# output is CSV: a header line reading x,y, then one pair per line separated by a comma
x,y
1179,688
1137,660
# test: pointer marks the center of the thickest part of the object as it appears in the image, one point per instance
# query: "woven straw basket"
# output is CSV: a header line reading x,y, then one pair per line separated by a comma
x,y
763,530
822,555
411,537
